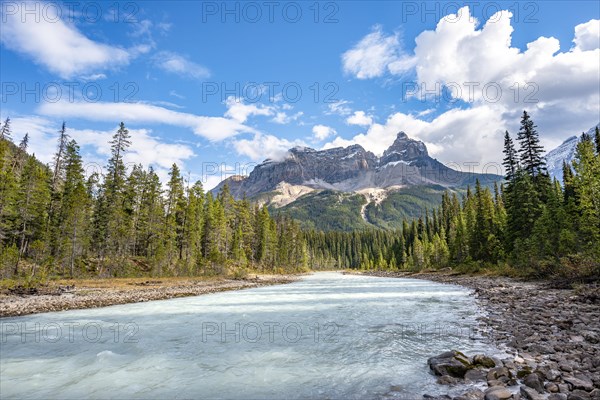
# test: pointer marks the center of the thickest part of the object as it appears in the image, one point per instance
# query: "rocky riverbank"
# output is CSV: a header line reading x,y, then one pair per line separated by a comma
x,y
553,334
107,292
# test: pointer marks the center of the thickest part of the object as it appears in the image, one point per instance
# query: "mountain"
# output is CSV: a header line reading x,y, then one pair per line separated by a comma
x,y
564,152
350,187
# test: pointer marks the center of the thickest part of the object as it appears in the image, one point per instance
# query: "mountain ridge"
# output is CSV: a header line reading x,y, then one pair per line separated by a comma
x,y
563,152
352,169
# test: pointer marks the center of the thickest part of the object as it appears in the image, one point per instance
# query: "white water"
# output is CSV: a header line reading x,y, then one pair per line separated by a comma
x,y
373,340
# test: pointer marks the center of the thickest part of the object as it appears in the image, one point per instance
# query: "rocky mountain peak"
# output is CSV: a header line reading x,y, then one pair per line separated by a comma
x,y
404,149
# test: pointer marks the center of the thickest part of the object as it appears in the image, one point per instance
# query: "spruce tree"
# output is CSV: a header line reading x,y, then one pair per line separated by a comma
x,y
531,152
511,162
587,189
74,208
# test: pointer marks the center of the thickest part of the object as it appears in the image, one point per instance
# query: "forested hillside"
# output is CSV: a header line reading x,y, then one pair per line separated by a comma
x,y
56,222
529,226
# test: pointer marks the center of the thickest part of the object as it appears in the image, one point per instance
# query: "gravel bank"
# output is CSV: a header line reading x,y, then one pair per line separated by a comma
x,y
90,295
554,335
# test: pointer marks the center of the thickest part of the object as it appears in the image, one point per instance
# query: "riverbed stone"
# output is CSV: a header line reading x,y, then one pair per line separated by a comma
x,y
484,361
530,393
578,394
551,387
453,363
580,382
501,374
557,396
476,375
497,393
471,394
447,380
534,382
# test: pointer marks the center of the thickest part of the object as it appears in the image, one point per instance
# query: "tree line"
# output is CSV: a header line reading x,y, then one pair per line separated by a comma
x,y
55,221
528,225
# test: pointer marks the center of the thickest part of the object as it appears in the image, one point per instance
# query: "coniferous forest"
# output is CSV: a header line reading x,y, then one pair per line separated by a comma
x,y
55,222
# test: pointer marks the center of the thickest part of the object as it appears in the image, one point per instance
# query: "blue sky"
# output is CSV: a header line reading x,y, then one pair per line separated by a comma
x,y
218,86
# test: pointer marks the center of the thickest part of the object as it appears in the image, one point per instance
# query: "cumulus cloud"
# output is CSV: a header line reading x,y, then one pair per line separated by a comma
x,y
374,54
455,137
180,65
57,45
263,146
587,35
359,118
479,65
322,132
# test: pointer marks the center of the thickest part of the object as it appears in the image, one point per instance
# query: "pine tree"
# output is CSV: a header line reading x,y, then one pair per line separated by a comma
x,y
5,131
597,140
74,208
31,201
111,226
175,214
59,170
510,162
531,152
587,188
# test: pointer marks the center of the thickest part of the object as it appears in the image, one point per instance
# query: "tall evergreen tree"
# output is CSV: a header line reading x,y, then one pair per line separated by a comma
x,y
74,209
511,162
531,152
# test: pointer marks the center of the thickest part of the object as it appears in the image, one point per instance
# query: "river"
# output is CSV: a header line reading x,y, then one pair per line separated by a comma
x,y
327,336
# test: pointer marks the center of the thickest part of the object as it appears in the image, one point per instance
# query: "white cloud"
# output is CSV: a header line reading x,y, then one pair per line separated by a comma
x,y
587,35
374,54
180,65
146,149
322,132
175,94
57,45
477,61
263,147
339,107
282,118
239,111
212,128
359,118
93,77
455,137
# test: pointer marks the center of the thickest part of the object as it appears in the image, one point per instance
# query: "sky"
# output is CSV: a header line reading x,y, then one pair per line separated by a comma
x,y
218,87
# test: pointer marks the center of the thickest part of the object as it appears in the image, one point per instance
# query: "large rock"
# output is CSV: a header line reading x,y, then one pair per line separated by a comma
x,y
453,363
530,394
499,373
579,394
497,393
557,396
484,361
534,382
472,394
476,375
580,382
